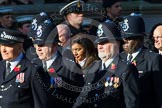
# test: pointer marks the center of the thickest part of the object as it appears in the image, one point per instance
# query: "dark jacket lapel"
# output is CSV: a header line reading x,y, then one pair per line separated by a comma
x,y
113,66
110,71
140,57
20,68
2,71
56,66
123,55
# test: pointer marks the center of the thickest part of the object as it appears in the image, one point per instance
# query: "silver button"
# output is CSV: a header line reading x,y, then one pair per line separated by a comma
x,y
2,86
1,97
89,83
19,86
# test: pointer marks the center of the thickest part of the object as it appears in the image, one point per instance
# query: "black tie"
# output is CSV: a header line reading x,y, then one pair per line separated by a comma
x,y
44,65
7,69
104,66
130,58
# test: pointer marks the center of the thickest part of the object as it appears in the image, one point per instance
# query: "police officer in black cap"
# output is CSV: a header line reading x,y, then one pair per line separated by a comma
x,y
24,23
30,50
59,72
147,62
19,86
7,19
115,83
73,14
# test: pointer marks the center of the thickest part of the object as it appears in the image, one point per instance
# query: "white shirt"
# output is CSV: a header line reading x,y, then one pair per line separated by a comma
x,y
107,63
133,55
50,61
81,63
15,62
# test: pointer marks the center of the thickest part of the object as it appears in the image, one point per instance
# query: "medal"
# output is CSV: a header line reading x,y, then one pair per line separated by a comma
x,y
116,82
21,80
52,82
110,84
107,83
17,78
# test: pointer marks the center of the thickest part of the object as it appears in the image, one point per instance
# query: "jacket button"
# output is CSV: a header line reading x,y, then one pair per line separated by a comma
x,y
95,105
1,97
2,86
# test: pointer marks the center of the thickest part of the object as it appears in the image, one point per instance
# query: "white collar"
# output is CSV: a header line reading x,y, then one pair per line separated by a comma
x,y
108,62
160,52
50,61
134,54
81,63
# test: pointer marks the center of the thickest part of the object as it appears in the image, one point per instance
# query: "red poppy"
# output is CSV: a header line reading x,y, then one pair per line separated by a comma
x,y
51,70
113,66
17,68
134,62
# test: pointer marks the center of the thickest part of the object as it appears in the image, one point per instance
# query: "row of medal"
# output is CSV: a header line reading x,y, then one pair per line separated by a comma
x,y
112,81
20,78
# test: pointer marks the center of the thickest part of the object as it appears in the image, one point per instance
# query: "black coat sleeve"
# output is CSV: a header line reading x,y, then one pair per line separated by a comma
x,y
131,87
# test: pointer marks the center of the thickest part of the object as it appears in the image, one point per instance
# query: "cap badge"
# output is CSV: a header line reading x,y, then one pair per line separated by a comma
x,y
100,30
125,25
39,31
78,4
43,14
34,24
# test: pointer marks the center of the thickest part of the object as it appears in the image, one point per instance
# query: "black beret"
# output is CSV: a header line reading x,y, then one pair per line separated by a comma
x,y
132,26
8,36
73,7
108,31
109,3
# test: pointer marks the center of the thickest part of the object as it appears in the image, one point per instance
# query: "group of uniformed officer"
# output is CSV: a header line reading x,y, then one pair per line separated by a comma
x,y
47,79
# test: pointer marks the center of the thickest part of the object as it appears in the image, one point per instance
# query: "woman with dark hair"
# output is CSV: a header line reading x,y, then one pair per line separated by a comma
x,y
84,52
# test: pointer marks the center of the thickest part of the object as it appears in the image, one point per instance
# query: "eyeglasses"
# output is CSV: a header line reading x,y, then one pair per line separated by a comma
x,y
157,37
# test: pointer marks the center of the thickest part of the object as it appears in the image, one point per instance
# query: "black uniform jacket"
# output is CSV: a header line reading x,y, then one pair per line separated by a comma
x,y
115,87
149,65
74,30
63,82
21,88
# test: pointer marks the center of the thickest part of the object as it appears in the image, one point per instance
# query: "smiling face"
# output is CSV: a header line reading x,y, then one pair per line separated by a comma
x,y
78,52
46,51
10,52
107,50
157,35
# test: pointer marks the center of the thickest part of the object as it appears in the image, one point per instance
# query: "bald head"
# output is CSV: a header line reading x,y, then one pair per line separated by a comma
x,y
157,35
